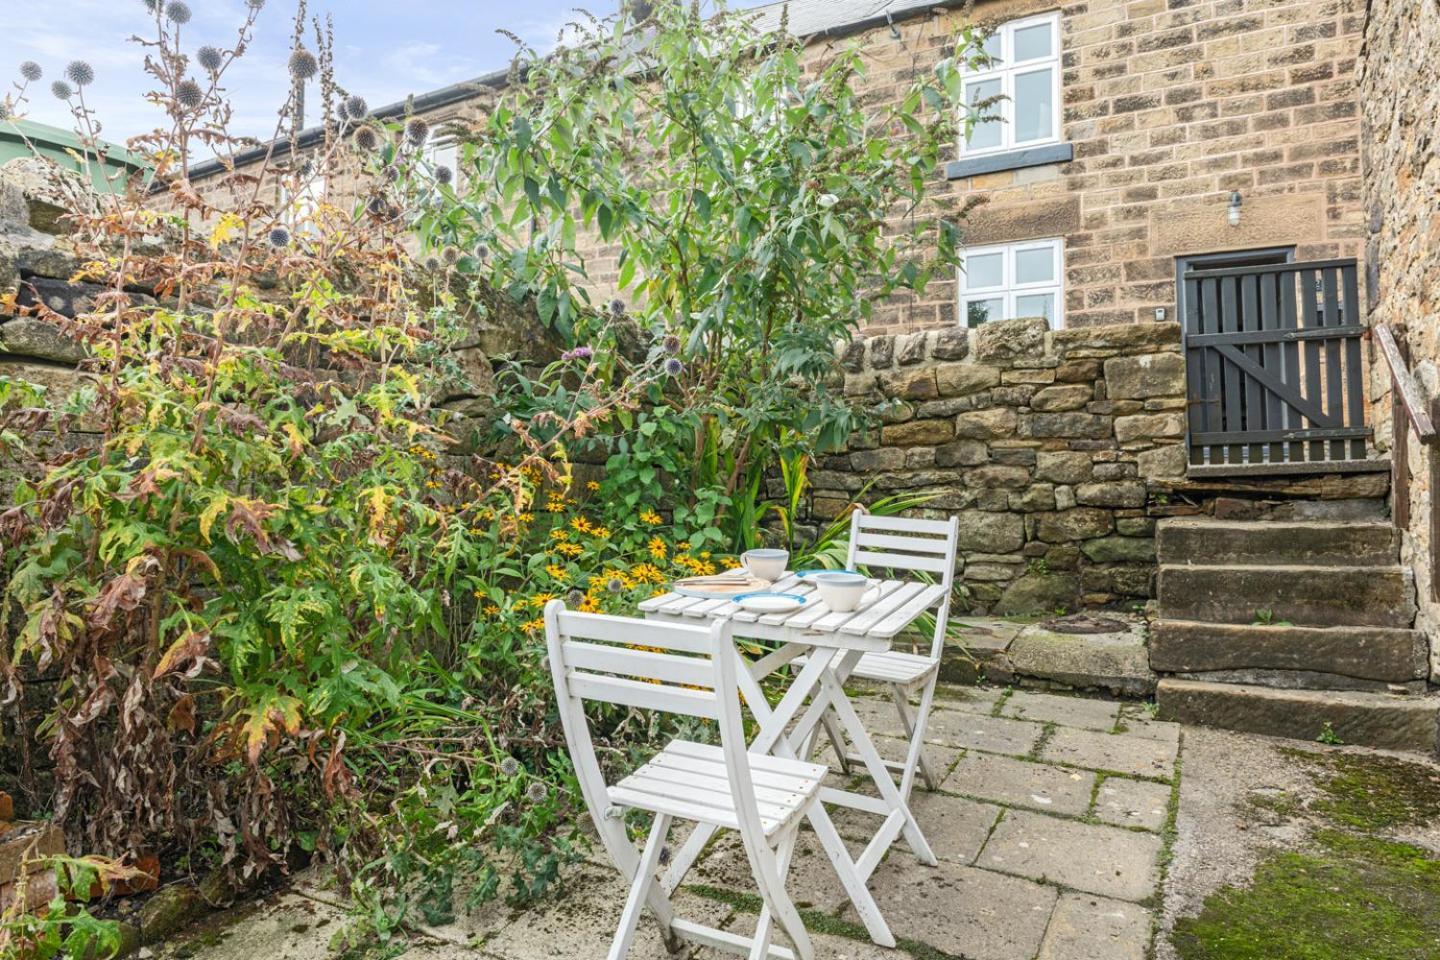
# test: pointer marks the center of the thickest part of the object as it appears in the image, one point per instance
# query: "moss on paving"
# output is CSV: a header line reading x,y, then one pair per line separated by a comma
x,y
1373,793
1351,897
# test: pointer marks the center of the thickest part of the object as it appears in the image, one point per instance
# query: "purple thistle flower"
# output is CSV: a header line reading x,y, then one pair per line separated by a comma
x,y
189,95
417,131
671,345
617,307
367,138
579,353
31,71
674,367
279,237
209,58
444,175
62,90
356,108
177,12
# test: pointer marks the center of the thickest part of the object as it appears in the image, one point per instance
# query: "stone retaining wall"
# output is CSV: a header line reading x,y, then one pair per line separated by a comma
x,y
1046,443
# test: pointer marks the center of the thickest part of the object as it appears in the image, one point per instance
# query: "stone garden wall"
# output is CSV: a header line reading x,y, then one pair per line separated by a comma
x,y
1400,107
1046,443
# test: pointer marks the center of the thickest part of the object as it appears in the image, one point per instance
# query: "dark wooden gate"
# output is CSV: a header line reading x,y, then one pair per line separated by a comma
x,y
1273,360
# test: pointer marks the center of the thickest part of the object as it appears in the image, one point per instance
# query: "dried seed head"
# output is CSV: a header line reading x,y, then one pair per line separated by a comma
x,y
574,598
80,73
617,307
536,792
279,237
61,90
31,71
391,172
209,58
377,207
255,4
5,112
356,108
177,12
417,131
614,584
303,64
189,95
671,345
444,175
509,766
431,263
367,138
450,255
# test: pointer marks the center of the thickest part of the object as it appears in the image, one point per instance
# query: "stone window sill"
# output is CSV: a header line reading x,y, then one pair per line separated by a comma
x,y
1009,160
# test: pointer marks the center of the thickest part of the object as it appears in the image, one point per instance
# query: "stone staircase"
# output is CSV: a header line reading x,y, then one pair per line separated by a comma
x,y
1291,628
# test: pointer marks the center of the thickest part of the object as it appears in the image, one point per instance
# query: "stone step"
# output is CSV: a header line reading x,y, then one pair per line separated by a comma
x,y
1385,721
1300,543
1380,654
1307,596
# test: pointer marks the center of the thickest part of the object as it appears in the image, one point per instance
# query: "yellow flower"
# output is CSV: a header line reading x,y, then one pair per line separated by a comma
x,y
580,524
602,532
537,601
592,486
650,517
526,517
570,549
589,605
556,571
558,534
491,609
657,548
530,626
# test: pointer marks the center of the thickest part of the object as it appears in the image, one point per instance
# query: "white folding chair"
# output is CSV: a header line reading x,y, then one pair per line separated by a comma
x,y
691,671
903,544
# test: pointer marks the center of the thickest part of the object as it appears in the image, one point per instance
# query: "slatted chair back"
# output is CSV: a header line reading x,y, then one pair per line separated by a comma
x,y
672,668
909,545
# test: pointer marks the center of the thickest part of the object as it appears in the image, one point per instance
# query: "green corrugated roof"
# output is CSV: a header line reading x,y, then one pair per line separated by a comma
x,y
55,143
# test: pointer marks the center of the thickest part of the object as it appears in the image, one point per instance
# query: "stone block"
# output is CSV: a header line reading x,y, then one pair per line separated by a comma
x,y
1062,397
1087,927
1118,493
1162,463
927,432
1086,712
1063,466
1038,592
882,352
874,461
951,344
1303,595
1149,375
1132,803
1369,653
910,384
1011,339
963,379
1073,425
1033,499
1149,426
31,337
990,532
1113,752
860,384
990,424
952,406
1077,371
1120,550
1115,661
1021,783
912,348
961,453
998,476
1079,523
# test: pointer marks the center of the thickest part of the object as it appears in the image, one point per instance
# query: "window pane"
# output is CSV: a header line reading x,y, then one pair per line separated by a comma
x,y
1032,43
1036,305
991,46
984,271
1034,106
980,311
1035,265
986,134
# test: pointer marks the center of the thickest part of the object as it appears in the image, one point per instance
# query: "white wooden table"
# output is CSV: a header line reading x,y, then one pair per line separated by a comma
x,y
832,644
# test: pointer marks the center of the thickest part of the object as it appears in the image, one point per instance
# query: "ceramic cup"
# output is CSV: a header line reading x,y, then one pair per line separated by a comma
x,y
766,564
841,592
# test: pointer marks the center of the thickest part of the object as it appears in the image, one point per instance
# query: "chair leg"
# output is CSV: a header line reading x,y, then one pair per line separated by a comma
x,y
912,724
640,886
777,904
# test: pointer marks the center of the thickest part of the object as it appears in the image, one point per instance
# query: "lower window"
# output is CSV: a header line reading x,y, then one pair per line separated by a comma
x,y
1010,280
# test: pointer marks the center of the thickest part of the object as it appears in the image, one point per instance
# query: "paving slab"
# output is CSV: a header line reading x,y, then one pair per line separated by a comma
x,y
581,923
827,946
1135,721
1132,803
962,911
991,734
1084,927
967,697
1066,711
1022,783
1109,861
287,925
812,881
1133,756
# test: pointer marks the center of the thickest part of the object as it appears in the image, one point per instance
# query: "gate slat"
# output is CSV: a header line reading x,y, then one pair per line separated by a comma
x,y
1313,348
1290,318
1354,368
1335,379
1234,405
1270,320
1214,402
1254,396
1197,407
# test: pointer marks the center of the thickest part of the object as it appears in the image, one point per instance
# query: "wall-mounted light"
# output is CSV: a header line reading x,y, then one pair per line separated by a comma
x,y
1232,213
894,30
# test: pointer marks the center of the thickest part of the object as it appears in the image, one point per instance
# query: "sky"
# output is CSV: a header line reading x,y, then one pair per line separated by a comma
x,y
383,50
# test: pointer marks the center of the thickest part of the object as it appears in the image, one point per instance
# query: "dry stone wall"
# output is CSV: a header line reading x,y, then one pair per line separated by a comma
x,y
1045,443
1400,102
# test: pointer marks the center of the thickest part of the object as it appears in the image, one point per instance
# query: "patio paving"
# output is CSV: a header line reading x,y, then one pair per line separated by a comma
x,y
1049,827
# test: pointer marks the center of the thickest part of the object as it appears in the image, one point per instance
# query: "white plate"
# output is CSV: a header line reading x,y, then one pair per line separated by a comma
x,y
771,602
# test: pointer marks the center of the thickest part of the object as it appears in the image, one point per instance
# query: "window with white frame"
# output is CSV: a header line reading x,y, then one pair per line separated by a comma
x,y
443,153
1024,72
1012,280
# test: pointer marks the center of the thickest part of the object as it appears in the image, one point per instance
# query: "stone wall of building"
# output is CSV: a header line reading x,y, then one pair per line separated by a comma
x,y
1045,443
1400,98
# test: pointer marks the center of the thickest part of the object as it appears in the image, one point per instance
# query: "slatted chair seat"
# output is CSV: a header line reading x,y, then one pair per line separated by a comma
x,y
688,780
891,666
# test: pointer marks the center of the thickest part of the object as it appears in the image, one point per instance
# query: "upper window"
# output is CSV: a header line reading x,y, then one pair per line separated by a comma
x,y
1012,280
1024,73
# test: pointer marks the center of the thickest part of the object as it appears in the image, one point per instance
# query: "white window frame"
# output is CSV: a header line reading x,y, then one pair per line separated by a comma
x,y
1006,69
1009,290
444,152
